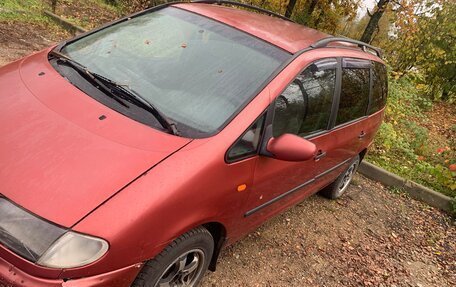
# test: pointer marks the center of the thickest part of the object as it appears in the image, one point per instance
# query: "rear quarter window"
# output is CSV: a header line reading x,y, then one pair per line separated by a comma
x,y
379,87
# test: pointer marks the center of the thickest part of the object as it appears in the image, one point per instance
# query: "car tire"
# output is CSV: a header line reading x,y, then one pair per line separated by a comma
x,y
340,185
183,263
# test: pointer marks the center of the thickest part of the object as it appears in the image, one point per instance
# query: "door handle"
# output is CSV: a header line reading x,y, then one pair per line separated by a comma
x,y
361,135
320,154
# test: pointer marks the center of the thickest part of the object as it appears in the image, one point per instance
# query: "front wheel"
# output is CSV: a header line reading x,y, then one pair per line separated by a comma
x,y
183,263
340,185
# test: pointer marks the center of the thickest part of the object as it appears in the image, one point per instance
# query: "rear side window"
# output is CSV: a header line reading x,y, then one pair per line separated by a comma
x,y
379,87
354,94
305,106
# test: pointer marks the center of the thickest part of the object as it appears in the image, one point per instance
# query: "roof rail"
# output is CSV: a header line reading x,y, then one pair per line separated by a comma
x,y
325,41
233,3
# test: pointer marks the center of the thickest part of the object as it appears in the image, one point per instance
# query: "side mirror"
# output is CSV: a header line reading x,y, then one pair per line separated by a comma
x,y
291,147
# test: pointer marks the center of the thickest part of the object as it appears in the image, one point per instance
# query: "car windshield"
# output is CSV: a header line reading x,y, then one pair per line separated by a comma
x,y
196,71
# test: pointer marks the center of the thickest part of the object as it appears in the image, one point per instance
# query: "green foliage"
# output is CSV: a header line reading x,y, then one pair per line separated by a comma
x,y
25,11
405,97
387,136
31,11
397,190
425,39
329,15
419,137
404,146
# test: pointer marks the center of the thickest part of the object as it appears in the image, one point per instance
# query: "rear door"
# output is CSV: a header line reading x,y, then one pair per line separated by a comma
x,y
350,130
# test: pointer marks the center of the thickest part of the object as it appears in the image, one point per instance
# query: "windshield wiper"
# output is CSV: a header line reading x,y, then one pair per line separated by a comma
x,y
85,72
128,94
134,98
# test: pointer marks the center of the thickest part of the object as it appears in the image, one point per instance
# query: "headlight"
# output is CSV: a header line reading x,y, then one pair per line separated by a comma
x,y
73,250
45,243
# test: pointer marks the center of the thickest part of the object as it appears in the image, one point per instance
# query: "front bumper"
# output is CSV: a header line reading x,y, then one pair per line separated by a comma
x,y
11,276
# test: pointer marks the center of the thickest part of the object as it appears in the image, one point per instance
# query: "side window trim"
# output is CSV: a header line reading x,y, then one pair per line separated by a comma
x,y
371,87
316,134
336,97
350,122
263,115
356,63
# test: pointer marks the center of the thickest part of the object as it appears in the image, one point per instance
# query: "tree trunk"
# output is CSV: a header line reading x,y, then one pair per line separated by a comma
x,y
53,5
373,21
309,11
312,6
290,8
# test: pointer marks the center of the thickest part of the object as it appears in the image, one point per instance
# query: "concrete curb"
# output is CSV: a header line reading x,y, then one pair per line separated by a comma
x,y
65,23
415,190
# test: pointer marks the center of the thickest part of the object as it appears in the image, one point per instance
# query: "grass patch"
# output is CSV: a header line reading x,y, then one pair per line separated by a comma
x,y
88,13
30,13
23,11
396,190
405,146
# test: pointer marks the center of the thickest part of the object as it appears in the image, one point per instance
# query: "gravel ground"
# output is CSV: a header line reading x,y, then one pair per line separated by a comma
x,y
371,237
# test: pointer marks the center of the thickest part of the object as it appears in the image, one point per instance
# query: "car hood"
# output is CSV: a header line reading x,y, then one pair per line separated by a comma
x,y
62,153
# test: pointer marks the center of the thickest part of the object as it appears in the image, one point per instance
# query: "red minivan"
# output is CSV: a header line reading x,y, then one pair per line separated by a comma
x,y
131,154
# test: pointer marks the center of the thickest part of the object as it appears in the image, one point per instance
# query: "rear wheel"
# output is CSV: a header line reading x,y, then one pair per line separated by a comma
x,y
183,263
340,185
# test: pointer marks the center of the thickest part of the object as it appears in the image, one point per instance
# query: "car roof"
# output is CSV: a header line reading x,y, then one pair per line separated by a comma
x,y
287,35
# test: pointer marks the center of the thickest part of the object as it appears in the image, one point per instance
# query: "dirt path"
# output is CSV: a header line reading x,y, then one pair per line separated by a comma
x,y
370,237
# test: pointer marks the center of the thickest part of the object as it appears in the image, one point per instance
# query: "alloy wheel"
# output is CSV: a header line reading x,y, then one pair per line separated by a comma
x,y
347,177
184,271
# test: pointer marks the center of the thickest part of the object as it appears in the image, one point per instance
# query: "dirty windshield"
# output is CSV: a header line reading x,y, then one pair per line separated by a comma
x,y
196,71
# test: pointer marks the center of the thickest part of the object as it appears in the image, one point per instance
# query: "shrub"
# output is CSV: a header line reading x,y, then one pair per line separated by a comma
x,y
403,146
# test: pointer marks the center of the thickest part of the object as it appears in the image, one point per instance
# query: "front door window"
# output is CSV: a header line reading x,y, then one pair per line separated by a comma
x,y
305,106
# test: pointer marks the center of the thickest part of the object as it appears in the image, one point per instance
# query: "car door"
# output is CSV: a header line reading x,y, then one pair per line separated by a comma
x,y
304,108
350,130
